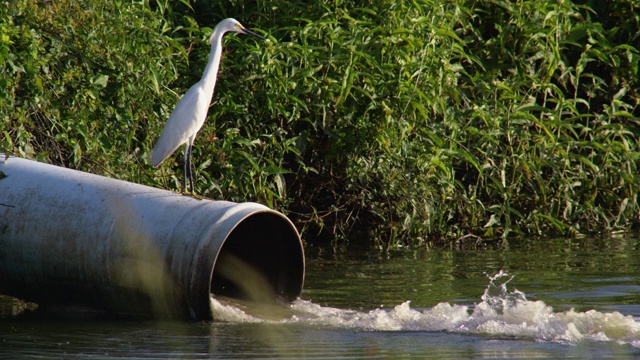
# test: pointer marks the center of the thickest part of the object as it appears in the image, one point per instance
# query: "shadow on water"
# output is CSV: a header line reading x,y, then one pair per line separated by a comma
x,y
444,304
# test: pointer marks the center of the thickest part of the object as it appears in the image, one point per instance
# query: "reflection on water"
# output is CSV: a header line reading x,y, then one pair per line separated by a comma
x,y
437,304
565,273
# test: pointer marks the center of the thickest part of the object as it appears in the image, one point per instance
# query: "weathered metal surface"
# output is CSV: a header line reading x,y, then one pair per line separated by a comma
x,y
73,239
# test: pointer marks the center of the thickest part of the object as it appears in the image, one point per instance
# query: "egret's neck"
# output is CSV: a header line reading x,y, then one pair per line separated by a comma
x,y
211,71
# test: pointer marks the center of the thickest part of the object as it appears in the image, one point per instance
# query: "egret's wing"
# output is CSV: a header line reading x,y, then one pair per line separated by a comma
x,y
185,121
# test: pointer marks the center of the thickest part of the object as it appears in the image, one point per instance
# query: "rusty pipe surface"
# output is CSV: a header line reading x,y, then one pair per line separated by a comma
x,y
76,240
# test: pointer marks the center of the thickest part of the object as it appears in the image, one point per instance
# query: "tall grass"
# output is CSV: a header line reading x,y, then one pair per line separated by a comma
x,y
382,122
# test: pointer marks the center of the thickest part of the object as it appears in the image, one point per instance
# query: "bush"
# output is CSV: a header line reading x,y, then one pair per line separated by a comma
x,y
388,123
84,83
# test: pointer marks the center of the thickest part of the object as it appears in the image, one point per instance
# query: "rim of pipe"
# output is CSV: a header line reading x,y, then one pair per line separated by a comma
x,y
246,268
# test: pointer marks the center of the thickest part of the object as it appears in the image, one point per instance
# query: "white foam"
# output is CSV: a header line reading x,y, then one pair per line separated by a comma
x,y
499,313
229,313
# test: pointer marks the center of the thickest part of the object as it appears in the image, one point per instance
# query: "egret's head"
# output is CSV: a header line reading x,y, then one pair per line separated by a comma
x,y
232,25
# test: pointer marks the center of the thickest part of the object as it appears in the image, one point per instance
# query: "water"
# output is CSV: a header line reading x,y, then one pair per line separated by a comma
x,y
524,300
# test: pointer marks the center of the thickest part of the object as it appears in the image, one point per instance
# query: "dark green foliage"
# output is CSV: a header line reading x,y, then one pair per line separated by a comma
x,y
395,122
84,83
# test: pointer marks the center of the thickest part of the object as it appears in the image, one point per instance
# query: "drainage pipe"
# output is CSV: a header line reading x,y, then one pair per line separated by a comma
x,y
74,240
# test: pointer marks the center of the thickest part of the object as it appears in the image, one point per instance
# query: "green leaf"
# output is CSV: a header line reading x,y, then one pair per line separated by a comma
x,y
101,81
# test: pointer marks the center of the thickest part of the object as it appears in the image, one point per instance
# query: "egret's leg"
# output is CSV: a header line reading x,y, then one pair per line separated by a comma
x,y
186,167
190,174
193,190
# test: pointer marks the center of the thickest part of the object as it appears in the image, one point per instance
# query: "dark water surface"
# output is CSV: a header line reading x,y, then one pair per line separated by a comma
x,y
602,274
355,306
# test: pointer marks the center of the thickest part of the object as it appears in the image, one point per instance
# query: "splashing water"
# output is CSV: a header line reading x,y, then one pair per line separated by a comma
x,y
500,313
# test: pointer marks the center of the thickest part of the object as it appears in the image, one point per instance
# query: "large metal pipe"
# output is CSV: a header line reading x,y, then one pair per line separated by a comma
x,y
73,239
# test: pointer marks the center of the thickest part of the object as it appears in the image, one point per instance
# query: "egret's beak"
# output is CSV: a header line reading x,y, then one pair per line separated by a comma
x,y
245,31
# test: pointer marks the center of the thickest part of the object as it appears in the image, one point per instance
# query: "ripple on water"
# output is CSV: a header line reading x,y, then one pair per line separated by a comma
x,y
500,313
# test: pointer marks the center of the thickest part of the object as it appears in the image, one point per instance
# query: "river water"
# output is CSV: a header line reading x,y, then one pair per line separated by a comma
x,y
526,299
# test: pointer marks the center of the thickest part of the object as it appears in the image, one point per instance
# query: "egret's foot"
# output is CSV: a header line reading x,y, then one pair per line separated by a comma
x,y
192,194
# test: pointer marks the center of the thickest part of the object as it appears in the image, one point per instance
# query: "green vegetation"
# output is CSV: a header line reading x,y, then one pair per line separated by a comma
x,y
392,122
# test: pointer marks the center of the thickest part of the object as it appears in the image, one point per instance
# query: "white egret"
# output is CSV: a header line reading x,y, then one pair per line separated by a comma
x,y
189,115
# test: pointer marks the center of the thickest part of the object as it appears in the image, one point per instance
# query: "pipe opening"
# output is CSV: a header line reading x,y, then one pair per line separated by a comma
x,y
261,261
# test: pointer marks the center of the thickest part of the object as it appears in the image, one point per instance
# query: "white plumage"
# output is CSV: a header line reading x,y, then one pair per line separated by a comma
x,y
189,115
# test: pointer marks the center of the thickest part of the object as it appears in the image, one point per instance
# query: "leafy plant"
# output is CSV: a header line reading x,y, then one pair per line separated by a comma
x,y
389,122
